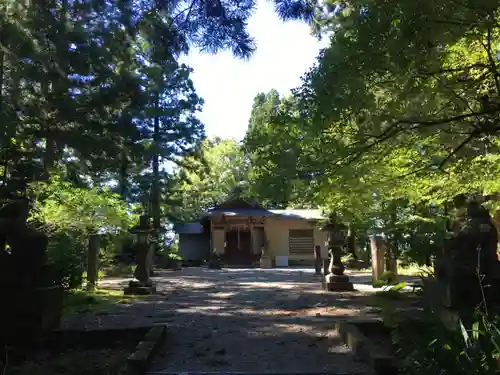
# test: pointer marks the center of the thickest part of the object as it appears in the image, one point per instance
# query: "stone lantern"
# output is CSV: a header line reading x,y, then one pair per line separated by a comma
x,y
141,284
336,280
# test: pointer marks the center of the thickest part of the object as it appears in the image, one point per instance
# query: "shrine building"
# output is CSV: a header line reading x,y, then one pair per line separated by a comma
x,y
239,230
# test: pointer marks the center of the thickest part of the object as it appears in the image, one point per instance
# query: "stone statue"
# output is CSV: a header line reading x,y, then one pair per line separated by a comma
x,y
470,263
22,249
22,265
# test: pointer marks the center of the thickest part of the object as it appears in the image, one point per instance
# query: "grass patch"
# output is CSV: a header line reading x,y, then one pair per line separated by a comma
x,y
414,270
118,270
406,270
100,300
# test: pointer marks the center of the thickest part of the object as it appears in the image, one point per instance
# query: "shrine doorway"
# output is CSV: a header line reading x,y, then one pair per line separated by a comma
x,y
238,250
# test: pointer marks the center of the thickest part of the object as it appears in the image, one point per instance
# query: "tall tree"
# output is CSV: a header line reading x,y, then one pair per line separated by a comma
x,y
204,182
277,152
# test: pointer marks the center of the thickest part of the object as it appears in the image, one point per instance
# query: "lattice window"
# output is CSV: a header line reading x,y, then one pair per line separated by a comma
x,y
301,241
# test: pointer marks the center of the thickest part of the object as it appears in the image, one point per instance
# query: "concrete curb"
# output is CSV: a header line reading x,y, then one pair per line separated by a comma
x,y
365,350
251,373
139,361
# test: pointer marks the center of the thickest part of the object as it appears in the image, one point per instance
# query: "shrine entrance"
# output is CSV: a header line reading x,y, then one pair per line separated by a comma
x,y
238,250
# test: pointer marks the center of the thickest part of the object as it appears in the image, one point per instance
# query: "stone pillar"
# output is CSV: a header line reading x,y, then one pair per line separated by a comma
x,y
378,258
93,261
257,240
150,259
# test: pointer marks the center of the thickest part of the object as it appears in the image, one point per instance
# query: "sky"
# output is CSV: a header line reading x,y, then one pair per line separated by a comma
x,y
228,85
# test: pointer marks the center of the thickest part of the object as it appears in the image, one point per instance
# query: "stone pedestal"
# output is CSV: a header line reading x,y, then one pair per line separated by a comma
x,y
266,262
337,283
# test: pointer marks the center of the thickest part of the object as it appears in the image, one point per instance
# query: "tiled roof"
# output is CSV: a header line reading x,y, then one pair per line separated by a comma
x,y
238,212
302,214
307,214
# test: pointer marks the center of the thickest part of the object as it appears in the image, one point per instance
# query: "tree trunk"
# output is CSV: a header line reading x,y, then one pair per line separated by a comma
x,y
5,154
123,176
93,261
155,191
351,242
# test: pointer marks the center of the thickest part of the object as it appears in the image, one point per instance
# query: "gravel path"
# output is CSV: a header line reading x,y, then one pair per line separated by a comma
x,y
250,320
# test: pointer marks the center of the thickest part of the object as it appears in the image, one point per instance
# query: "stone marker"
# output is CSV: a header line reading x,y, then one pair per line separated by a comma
x,y
378,256
468,271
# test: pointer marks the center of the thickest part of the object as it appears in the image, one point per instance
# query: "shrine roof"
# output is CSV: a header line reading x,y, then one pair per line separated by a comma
x,y
239,206
300,214
237,212
306,214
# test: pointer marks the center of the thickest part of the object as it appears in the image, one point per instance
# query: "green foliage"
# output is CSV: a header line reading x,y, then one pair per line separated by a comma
x,y
438,349
67,257
68,215
389,277
429,344
448,349
174,256
274,146
59,206
407,114
202,183
389,125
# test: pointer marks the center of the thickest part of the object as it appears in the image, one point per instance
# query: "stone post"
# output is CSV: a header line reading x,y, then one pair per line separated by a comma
x,y
378,257
93,261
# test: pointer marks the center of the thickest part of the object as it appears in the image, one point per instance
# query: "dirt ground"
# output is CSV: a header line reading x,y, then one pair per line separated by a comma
x,y
244,320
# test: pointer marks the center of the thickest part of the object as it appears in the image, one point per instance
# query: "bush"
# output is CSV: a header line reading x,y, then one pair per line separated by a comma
x,y
175,256
66,255
389,277
462,349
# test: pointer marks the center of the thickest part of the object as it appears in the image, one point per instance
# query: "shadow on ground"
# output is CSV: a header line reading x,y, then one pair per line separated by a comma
x,y
257,320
